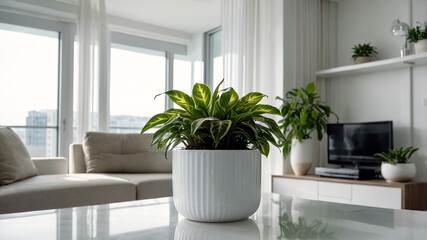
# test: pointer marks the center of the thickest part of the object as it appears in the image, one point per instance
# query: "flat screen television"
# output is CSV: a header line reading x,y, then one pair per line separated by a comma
x,y
354,144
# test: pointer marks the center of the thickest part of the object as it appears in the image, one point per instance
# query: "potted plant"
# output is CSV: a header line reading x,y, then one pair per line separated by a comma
x,y
216,175
303,114
363,53
395,167
418,36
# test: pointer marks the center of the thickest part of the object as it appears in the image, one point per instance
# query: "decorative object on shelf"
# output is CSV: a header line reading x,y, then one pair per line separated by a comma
x,y
303,114
400,29
217,175
395,167
363,53
418,36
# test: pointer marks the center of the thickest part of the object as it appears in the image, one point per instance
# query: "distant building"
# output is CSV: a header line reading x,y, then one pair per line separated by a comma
x,y
42,141
127,123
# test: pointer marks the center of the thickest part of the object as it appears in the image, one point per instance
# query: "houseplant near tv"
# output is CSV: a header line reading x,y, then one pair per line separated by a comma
x,y
303,115
395,167
418,36
216,176
363,53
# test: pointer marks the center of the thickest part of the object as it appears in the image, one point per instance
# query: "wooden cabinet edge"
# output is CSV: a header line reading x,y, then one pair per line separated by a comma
x,y
413,194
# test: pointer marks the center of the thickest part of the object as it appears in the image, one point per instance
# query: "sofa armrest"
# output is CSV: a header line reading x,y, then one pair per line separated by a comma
x,y
77,158
47,166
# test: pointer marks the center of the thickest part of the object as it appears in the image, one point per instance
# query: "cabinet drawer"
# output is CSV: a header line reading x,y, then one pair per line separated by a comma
x,y
328,190
306,189
375,196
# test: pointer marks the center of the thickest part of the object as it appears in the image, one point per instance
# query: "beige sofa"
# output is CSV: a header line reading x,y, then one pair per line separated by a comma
x,y
61,184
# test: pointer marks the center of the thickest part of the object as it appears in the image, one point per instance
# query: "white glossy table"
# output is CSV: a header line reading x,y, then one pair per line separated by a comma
x,y
158,219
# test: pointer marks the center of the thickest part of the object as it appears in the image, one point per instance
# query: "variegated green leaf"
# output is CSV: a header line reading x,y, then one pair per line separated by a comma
x,y
202,96
199,122
263,146
272,125
156,120
228,99
263,108
311,87
249,100
219,129
181,99
175,111
170,126
213,104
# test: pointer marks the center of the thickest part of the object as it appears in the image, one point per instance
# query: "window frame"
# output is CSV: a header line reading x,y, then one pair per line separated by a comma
x,y
207,56
66,33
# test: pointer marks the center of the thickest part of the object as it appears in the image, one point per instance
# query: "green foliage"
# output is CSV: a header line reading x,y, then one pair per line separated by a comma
x,y
303,113
397,155
218,120
363,50
303,230
416,34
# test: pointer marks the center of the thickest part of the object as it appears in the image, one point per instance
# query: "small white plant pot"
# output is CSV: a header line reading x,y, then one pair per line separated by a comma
x,y
359,60
216,185
420,46
401,172
303,155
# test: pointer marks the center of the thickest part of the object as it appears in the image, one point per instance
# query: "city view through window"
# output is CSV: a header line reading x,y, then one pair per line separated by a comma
x,y
29,86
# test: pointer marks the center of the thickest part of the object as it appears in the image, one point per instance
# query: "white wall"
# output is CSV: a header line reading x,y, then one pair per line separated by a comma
x,y
396,95
369,21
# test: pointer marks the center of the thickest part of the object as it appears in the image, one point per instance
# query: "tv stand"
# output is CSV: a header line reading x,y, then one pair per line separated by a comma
x,y
374,193
349,173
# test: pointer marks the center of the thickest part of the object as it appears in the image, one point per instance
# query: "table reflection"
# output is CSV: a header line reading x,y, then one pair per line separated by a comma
x,y
190,230
278,217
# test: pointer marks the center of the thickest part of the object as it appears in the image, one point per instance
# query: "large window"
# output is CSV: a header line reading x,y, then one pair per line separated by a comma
x,y
137,75
30,76
29,86
140,69
182,77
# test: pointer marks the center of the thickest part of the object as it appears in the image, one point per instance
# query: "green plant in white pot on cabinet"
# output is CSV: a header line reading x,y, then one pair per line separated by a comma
x,y
217,173
304,115
395,166
418,36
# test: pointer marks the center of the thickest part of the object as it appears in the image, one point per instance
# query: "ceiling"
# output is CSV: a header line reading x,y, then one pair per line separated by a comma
x,y
192,16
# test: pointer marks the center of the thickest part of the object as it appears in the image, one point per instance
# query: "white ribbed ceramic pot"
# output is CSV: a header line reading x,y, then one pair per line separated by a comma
x,y
401,172
216,185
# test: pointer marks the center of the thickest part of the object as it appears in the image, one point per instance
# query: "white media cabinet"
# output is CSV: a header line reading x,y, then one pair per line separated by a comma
x,y
375,193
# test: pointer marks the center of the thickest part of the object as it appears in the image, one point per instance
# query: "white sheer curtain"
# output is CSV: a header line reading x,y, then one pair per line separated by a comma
x,y
94,48
252,33
306,40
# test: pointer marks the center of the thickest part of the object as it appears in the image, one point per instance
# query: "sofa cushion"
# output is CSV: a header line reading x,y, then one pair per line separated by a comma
x,y
64,190
123,153
15,161
149,185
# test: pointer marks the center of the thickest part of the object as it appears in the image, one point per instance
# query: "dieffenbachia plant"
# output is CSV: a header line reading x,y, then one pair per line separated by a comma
x,y
218,120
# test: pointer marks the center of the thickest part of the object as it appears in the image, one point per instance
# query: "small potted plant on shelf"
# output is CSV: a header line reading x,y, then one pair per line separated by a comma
x,y
303,115
418,36
217,173
395,167
363,53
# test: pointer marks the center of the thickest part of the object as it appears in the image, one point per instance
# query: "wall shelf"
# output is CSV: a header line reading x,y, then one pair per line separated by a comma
x,y
375,66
